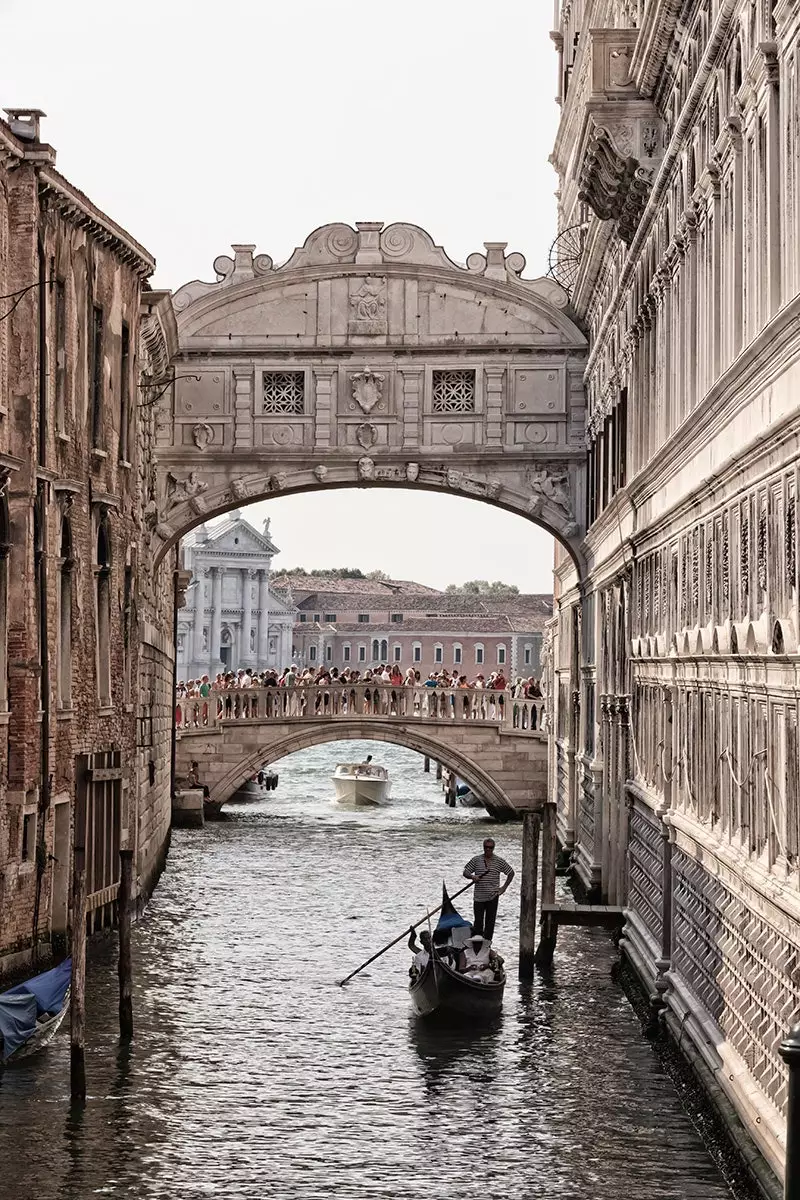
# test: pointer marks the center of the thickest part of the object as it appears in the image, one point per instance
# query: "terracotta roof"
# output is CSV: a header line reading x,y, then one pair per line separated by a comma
x,y
322,585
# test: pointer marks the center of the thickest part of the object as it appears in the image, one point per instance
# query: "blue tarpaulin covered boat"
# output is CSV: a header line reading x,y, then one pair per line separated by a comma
x,y
31,1012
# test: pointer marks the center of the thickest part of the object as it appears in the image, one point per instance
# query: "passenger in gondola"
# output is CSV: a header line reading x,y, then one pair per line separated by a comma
x,y
421,953
475,959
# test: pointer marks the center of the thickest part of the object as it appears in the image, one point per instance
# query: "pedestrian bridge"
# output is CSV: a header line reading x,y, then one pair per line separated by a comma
x,y
496,743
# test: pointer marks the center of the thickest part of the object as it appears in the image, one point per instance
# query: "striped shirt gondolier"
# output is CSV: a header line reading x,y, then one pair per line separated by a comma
x,y
488,887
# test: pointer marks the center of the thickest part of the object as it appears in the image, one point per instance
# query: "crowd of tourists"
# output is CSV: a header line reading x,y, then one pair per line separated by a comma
x,y
381,691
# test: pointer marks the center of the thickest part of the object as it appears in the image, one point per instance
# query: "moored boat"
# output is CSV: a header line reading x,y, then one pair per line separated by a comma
x,y
31,1012
440,990
361,785
466,797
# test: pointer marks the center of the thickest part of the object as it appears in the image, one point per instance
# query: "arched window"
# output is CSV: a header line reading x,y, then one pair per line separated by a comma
x,y
416,652
458,654
479,654
384,650
102,577
376,649
66,565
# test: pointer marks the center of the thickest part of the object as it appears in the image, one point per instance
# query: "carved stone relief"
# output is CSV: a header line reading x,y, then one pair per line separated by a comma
x,y
180,490
367,388
202,436
368,307
366,436
320,473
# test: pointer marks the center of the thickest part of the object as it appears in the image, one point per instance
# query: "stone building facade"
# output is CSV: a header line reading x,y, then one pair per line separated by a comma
x,y
363,623
232,619
73,433
674,660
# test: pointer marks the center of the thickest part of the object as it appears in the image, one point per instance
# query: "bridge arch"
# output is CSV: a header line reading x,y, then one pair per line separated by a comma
x,y
370,359
517,778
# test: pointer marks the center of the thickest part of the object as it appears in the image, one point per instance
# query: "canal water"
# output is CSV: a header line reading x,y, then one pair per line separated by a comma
x,y
254,1075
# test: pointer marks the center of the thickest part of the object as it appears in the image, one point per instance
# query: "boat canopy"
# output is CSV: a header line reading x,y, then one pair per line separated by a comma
x,y
21,1005
17,1022
449,918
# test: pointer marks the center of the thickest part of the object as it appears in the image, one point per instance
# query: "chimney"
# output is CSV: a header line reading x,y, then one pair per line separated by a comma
x,y
24,123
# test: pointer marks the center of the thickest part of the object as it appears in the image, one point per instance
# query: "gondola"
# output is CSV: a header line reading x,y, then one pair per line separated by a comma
x,y
31,1013
444,992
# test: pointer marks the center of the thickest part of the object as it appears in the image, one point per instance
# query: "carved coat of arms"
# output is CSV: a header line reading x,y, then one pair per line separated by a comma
x,y
367,389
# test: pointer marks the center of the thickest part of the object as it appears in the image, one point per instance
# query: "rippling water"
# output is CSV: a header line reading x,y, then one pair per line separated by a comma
x,y
254,1075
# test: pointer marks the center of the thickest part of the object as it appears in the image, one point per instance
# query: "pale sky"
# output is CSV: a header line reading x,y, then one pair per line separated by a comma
x,y
198,124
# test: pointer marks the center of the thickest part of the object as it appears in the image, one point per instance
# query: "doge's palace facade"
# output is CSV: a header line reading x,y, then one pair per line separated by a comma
x,y
675,668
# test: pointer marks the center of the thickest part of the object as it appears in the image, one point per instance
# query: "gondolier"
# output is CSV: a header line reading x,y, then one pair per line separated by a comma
x,y
485,869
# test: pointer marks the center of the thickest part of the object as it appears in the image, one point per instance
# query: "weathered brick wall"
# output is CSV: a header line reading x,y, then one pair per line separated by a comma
x,y
73,470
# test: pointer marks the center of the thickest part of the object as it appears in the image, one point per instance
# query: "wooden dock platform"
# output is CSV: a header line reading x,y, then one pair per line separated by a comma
x,y
602,916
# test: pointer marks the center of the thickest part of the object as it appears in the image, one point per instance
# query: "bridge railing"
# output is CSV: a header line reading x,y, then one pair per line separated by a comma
x,y
339,701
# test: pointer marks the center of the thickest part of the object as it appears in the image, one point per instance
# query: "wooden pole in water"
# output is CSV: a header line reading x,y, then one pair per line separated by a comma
x,y
549,927
77,1002
531,825
426,765
125,968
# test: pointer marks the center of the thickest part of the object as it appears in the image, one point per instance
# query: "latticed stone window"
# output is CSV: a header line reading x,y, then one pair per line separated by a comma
x,y
453,391
284,391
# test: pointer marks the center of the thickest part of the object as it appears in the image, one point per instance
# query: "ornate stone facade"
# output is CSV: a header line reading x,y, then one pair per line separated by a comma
x,y
674,671
231,619
370,357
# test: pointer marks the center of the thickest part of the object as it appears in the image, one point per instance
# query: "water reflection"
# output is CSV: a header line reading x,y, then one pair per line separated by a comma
x,y
254,1075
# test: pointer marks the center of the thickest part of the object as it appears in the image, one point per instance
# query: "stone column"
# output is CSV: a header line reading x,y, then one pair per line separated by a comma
x,y
262,650
285,643
412,389
243,408
494,405
247,615
199,612
773,189
216,619
323,403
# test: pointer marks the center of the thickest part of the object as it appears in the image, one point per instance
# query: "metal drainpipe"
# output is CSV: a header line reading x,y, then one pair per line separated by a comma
x,y
40,553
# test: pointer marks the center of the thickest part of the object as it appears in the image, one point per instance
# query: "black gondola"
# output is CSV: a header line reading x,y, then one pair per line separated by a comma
x,y
440,990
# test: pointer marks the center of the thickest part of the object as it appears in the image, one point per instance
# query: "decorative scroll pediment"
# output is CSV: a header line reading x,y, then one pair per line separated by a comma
x,y
376,249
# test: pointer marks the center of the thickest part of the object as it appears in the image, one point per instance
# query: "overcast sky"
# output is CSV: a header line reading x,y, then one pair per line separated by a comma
x,y
196,125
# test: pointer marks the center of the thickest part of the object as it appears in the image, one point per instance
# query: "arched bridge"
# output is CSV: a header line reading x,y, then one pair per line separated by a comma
x,y
494,742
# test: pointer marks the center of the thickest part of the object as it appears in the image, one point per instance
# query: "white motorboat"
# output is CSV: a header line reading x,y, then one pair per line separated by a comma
x,y
361,785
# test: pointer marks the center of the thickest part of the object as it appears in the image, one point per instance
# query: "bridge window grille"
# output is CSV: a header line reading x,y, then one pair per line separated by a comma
x,y
284,392
453,391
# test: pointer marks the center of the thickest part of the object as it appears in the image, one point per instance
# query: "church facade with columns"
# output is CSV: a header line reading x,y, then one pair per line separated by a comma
x,y
232,619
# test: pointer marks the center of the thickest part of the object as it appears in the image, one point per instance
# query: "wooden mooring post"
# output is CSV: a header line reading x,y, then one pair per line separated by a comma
x,y
77,1002
426,765
125,969
549,927
531,826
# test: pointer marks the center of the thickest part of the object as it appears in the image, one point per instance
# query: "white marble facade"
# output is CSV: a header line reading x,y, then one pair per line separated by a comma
x,y
232,619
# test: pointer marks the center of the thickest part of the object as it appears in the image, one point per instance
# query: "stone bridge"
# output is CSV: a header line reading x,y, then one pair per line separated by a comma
x,y
493,742
370,359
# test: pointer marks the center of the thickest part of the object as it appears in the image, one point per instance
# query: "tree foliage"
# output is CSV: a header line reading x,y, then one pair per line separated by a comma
x,y
497,590
335,573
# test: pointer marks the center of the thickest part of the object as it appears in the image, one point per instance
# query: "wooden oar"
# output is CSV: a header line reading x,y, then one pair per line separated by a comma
x,y
405,933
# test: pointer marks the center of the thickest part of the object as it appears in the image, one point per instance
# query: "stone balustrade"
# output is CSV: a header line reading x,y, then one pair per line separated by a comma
x,y
368,700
